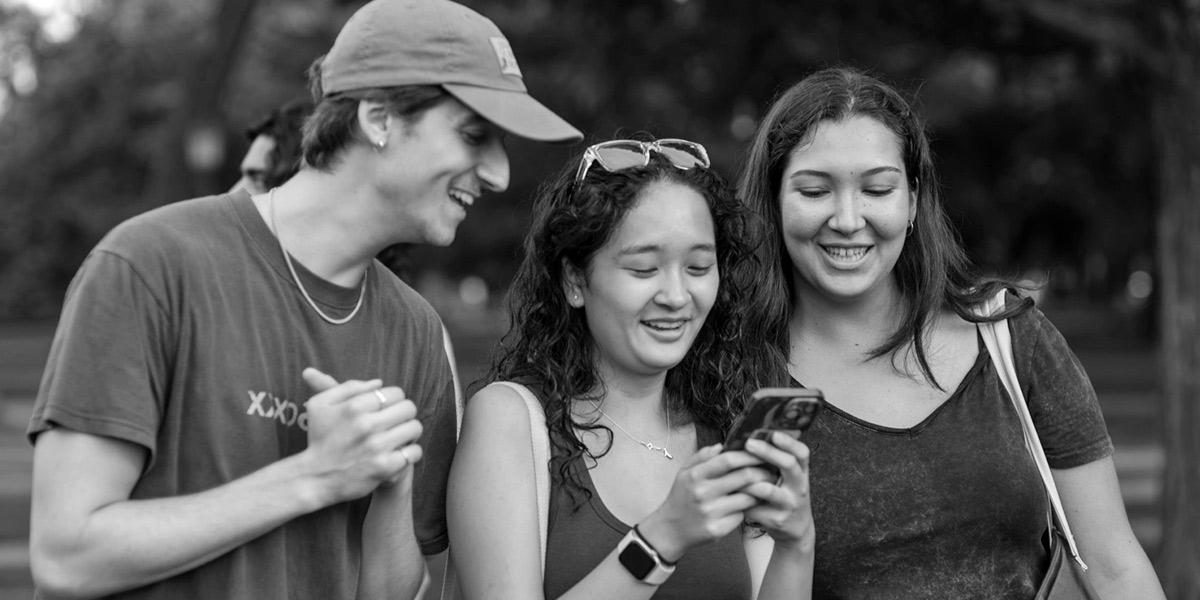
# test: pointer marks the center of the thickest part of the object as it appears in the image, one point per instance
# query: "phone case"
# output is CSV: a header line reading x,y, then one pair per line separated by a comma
x,y
789,410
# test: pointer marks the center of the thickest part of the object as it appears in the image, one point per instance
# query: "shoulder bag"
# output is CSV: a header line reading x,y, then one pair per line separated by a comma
x,y
1066,578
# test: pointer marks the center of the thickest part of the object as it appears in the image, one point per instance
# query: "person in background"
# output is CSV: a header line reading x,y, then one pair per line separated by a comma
x,y
274,153
629,329
922,486
240,401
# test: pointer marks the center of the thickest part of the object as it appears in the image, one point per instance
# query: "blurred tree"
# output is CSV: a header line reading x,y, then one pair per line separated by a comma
x,y
1161,40
194,146
127,114
76,149
1019,118
1176,113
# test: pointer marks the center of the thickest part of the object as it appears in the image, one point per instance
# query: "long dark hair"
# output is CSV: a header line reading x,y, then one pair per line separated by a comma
x,y
548,344
933,271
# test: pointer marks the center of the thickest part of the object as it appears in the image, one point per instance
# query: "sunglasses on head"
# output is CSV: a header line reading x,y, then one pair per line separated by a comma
x,y
616,155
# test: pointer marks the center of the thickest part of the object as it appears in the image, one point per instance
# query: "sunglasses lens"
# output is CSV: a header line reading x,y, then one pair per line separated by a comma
x,y
620,155
684,154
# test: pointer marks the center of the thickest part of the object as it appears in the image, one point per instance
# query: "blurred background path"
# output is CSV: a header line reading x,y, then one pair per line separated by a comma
x,y
1125,371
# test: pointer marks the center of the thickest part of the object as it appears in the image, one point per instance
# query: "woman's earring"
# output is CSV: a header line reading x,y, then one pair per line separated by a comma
x,y
379,145
911,227
575,300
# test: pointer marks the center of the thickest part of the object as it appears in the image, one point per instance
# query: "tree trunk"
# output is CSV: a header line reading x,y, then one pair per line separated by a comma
x,y
1176,112
204,85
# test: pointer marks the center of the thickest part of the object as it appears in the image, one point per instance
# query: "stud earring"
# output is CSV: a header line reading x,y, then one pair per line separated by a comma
x,y
380,144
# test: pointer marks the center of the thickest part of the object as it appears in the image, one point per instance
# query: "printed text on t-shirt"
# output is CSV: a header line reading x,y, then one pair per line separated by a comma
x,y
286,412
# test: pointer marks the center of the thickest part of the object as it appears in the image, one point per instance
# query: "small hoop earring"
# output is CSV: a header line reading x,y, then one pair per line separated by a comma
x,y
911,227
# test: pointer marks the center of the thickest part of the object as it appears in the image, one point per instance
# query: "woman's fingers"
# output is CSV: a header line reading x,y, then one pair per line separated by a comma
x,y
782,508
788,455
718,463
767,493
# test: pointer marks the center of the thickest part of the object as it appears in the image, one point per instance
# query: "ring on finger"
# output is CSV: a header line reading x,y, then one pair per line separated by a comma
x,y
394,479
382,399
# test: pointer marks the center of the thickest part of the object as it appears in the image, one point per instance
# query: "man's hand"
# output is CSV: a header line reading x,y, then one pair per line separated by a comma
x,y
360,434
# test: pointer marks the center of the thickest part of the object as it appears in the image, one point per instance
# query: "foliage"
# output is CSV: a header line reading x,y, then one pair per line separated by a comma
x,y
75,155
1023,119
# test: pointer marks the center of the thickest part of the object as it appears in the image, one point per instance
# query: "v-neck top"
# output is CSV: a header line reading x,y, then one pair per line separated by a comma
x,y
579,538
952,507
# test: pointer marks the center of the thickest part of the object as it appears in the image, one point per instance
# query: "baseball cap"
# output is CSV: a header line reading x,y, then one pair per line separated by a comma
x,y
390,43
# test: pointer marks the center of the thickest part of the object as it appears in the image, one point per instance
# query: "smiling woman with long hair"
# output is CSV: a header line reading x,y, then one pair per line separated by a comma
x,y
922,486
629,331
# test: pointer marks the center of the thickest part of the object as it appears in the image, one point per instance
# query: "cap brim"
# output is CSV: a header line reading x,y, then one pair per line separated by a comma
x,y
516,112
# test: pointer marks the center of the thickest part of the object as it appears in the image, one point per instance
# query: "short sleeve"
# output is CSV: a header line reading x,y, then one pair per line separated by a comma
x,y
438,441
107,368
1061,398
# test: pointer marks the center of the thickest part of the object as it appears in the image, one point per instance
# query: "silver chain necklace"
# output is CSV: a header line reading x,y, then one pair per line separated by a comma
x,y
647,444
362,287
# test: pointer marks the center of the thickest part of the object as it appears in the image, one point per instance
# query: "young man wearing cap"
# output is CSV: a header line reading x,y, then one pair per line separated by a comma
x,y
224,412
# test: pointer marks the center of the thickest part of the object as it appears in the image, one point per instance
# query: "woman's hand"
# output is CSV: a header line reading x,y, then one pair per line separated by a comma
x,y
705,503
783,511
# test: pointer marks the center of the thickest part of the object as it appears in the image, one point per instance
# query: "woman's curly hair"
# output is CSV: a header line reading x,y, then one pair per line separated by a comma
x,y
548,345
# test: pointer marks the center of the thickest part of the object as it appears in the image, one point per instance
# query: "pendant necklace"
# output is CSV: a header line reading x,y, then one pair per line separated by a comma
x,y
647,444
362,287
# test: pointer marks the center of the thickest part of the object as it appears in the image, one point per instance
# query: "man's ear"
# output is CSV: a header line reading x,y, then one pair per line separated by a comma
x,y
573,284
375,122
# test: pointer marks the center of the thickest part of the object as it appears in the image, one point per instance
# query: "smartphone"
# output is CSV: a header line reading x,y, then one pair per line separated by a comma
x,y
788,410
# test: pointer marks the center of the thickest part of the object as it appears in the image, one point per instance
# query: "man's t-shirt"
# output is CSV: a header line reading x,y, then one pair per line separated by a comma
x,y
952,507
184,333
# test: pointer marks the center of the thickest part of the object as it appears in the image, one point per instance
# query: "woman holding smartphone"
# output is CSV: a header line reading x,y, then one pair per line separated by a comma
x,y
922,486
627,328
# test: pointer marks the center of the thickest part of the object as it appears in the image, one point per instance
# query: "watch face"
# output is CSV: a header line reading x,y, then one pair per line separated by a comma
x,y
636,559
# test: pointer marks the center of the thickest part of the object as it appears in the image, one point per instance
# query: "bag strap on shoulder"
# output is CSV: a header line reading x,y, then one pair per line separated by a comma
x,y
540,449
998,340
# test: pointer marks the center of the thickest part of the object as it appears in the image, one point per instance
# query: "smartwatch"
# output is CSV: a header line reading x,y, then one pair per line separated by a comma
x,y
642,560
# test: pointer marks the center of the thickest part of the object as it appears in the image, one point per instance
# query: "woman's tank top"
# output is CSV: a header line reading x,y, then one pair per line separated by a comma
x,y
578,540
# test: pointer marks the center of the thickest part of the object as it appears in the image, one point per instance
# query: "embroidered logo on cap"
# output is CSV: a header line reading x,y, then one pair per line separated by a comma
x,y
504,54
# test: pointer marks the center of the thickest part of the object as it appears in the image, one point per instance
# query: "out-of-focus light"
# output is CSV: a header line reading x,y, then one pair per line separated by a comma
x,y
60,27
742,126
473,290
24,73
60,18
204,148
1140,285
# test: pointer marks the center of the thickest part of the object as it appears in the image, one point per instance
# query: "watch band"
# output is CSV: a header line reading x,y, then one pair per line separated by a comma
x,y
641,559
